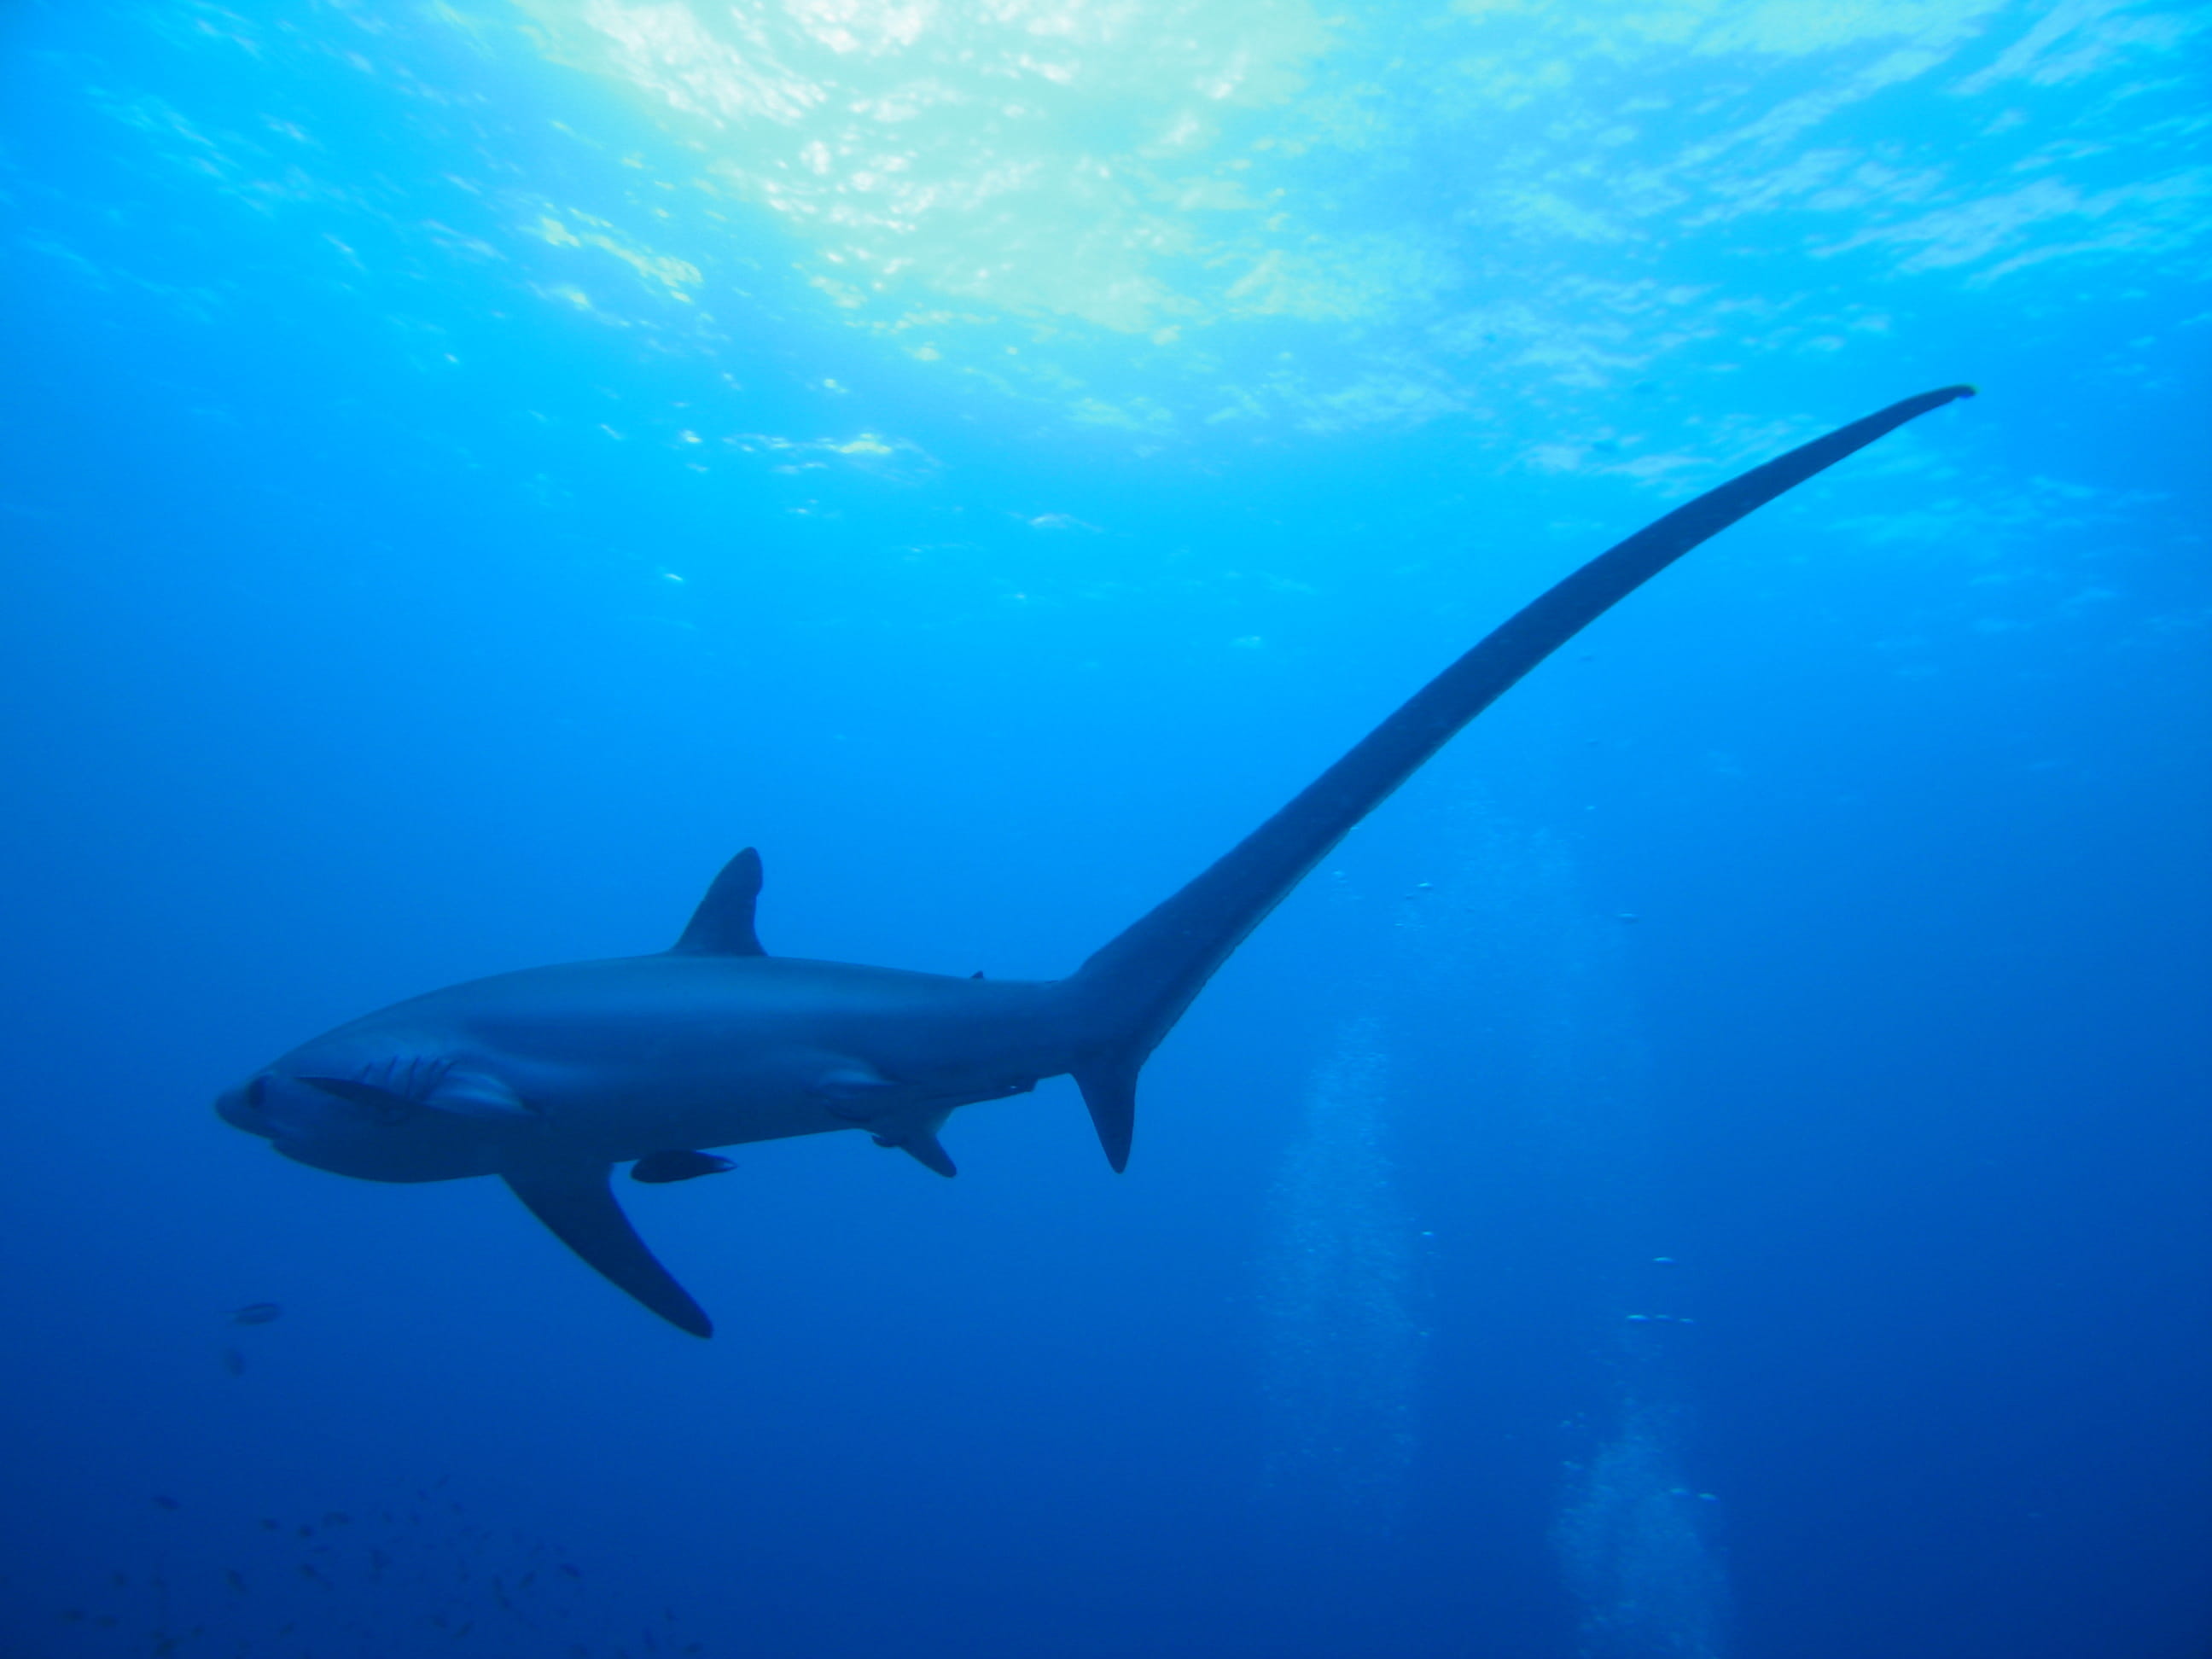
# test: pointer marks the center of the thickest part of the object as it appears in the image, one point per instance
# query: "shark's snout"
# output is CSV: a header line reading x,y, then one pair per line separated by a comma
x,y
240,1108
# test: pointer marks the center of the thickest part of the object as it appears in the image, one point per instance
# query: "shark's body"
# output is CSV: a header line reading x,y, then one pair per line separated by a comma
x,y
551,1077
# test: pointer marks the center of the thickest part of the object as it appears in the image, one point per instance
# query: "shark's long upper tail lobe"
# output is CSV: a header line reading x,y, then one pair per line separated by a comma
x,y
1132,991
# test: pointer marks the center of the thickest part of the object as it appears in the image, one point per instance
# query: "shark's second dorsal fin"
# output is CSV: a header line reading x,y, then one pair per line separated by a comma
x,y
722,925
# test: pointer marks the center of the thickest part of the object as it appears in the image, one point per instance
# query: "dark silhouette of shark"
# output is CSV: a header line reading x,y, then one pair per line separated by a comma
x,y
551,1077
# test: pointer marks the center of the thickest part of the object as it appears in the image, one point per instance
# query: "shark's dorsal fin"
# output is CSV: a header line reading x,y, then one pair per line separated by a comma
x,y
722,925
576,1203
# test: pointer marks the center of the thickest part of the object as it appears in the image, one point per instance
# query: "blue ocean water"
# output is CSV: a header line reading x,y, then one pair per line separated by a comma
x,y
1717,1166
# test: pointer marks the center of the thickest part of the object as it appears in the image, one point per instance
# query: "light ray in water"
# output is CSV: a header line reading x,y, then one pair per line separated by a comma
x,y
1634,1544
1344,1345
1509,928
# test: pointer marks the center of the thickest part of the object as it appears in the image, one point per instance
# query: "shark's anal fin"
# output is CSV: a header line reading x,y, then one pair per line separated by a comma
x,y
722,925
577,1204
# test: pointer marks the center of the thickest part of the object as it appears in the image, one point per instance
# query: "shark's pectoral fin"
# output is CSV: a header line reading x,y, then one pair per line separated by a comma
x,y
579,1206
722,925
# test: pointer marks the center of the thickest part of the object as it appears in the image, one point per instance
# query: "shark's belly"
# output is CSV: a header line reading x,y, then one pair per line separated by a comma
x,y
626,1088
663,1100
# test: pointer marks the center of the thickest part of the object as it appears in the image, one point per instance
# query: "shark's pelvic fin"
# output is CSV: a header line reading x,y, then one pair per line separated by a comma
x,y
722,925
657,1168
1132,993
580,1207
925,1149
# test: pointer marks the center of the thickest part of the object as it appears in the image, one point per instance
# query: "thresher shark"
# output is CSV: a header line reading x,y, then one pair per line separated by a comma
x,y
549,1078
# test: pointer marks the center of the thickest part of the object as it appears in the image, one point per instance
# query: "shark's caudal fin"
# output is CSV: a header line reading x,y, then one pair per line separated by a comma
x,y
1132,991
579,1206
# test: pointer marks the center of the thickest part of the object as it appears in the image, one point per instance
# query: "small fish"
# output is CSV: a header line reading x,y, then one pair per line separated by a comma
x,y
235,1579
162,1502
233,1362
256,1313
